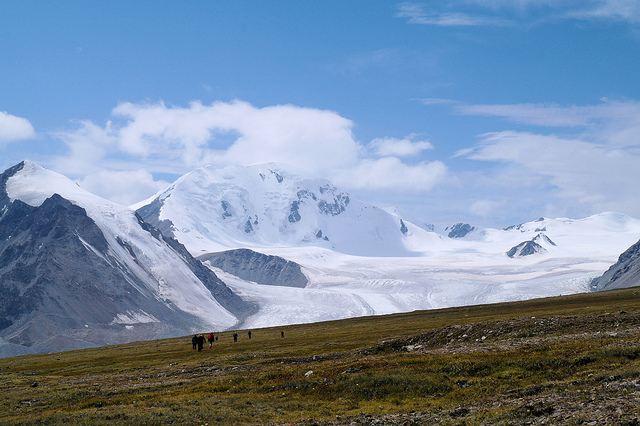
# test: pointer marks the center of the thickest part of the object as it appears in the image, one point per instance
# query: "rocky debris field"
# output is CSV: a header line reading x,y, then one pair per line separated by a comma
x,y
600,399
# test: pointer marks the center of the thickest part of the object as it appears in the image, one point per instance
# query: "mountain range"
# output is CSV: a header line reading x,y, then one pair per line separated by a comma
x,y
224,248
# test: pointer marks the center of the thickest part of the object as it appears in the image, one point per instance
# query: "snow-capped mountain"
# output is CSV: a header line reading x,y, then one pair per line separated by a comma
x,y
534,246
359,260
213,209
474,269
78,271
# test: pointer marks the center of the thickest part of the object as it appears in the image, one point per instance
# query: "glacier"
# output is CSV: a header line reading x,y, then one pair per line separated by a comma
x,y
372,261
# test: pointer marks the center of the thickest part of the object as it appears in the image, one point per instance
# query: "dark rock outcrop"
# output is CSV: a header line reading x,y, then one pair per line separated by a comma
x,y
257,267
531,247
403,228
526,248
459,230
624,273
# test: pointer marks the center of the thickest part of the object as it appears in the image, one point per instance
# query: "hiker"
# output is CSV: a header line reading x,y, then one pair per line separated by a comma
x,y
249,334
210,339
282,334
235,337
194,341
200,342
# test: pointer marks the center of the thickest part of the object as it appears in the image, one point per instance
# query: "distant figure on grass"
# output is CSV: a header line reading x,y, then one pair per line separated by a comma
x,y
194,341
200,342
235,337
210,339
282,334
249,334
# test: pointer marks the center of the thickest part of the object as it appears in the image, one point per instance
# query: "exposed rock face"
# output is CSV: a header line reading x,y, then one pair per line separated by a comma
x,y
459,230
624,273
526,248
257,267
58,278
403,228
533,246
150,215
64,286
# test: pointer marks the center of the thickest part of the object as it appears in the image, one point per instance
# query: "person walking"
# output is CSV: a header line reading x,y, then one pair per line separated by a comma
x,y
210,339
249,334
235,337
200,342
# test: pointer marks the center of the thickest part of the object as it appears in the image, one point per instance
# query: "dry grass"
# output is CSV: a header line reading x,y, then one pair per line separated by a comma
x,y
511,363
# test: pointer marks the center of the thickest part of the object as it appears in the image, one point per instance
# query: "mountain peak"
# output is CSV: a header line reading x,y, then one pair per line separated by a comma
x,y
82,264
213,209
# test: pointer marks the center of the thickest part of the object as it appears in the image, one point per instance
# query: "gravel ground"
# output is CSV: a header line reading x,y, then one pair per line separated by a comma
x,y
613,400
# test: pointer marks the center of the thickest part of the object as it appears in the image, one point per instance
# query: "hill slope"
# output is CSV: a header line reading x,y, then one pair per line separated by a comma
x,y
566,360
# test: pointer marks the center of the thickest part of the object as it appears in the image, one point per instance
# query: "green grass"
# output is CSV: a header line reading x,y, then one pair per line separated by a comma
x,y
506,363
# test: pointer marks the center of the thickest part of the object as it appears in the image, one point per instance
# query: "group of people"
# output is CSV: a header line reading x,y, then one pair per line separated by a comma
x,y
198,340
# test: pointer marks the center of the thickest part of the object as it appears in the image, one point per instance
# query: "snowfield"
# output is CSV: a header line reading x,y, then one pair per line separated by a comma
x,y
362,260
343,286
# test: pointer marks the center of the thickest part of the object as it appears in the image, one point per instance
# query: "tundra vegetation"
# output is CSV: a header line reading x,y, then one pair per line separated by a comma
x,y
564,360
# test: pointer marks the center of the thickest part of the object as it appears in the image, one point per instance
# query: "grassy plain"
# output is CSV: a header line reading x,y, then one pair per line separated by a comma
x,y
564,360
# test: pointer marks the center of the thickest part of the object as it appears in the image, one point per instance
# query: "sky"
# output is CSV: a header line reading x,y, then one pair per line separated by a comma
x,y
491,112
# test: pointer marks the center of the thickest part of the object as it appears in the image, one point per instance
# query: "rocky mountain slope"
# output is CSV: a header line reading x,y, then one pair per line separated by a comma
x,y
78,271
624,273
257,267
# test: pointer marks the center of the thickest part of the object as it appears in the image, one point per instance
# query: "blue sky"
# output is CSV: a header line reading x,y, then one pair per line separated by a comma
x,y
491,112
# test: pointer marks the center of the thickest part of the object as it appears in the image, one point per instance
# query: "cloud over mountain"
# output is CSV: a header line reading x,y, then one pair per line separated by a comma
x,y
175,139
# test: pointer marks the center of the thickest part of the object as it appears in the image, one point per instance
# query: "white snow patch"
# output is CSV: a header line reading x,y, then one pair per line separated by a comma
x,y
131,317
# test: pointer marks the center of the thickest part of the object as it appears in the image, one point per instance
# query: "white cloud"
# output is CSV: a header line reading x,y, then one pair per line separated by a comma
x,y
13,129
595,175
536,114
174,139
584,163
485,208
418,15
554,115
437,101
88,145
399,147
390,173
510,12
124,187
237,133
616,10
